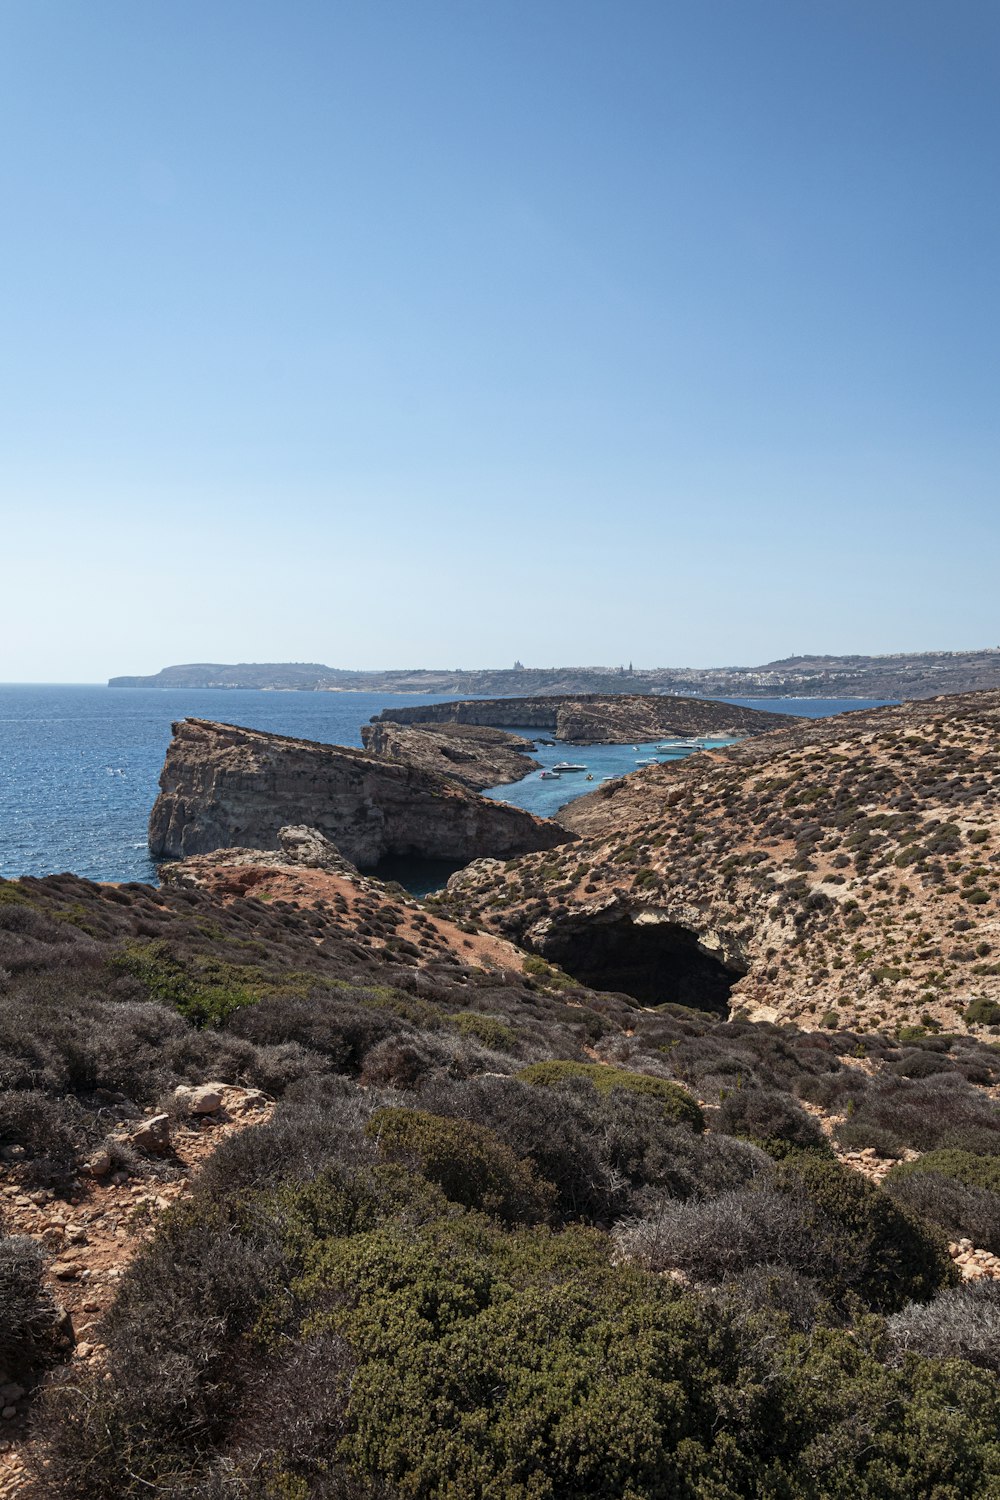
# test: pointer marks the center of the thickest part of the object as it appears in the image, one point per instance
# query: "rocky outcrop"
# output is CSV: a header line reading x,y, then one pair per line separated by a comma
x,y
223,787
474,755
599,719
298,848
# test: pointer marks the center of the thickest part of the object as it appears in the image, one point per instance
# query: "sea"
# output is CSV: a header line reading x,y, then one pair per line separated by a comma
x,y
79,765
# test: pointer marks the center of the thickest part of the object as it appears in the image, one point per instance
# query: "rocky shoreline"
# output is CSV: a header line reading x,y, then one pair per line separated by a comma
x,y
224,786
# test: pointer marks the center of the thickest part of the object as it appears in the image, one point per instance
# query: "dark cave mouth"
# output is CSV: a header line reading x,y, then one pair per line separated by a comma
x,y
417,873
652,961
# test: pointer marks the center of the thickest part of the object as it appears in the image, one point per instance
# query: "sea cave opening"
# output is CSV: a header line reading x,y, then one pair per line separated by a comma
x,y
416,873
653,961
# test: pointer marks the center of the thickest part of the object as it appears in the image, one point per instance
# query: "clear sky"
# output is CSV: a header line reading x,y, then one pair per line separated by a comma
x,y
383,333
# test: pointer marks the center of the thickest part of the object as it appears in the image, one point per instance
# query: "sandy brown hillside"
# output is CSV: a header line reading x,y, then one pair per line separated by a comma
x,y
846,870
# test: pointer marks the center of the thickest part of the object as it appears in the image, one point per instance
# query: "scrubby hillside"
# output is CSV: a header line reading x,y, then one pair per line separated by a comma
x,y
845,871
496,1235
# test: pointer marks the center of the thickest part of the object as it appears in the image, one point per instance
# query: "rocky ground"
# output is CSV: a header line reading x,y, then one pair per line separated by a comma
x,y
308,874
847,871
92,1227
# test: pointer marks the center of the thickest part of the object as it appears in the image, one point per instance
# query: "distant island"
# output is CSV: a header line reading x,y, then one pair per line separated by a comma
x,y
921,674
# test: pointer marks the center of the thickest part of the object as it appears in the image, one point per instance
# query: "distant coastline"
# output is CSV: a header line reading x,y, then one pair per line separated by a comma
x,y
894,678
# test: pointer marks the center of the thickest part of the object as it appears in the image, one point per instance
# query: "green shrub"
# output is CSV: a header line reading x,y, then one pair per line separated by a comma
x,y
964,1166
489,1030
677,1102
524,1367
982,1012
204,991
548,974
469,1163
771,1120
868,1245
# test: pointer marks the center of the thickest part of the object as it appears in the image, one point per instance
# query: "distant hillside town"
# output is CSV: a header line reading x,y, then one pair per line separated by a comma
x,y
920,674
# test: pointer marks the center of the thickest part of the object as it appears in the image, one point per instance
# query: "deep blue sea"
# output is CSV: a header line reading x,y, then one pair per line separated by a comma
x,y
79,765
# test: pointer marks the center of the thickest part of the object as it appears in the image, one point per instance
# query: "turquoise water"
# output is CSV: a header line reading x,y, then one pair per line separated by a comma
x,y
79,766
603,762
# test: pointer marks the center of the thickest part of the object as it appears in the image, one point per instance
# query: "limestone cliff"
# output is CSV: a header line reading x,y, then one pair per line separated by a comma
x,y
599,718
476,756
223,787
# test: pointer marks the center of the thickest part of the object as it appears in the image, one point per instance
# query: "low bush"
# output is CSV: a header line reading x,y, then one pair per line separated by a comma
x,y
918,1063
773,1121
29,1321
962,1322
923,1114
489,1030
817,1218
674,1101
983,1012
469,1163
963,1166
960,1210
604,1153
50,1131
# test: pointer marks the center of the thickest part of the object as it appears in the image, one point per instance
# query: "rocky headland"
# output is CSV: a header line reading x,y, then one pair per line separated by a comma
x,y
223,787
598,719
476,756
839,872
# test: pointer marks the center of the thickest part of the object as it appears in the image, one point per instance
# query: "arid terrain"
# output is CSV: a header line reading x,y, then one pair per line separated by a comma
x,y
841,871
687,1132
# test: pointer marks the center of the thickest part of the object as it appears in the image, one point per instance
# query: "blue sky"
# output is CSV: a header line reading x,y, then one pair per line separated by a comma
x,y
383,334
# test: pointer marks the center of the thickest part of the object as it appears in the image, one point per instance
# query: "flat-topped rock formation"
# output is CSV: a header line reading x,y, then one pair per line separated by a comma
x,y
843,871
475,755
599,718
223,786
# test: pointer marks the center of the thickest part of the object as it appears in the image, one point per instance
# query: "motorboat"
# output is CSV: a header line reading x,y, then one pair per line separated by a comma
x,y
565,765
670,747
548,775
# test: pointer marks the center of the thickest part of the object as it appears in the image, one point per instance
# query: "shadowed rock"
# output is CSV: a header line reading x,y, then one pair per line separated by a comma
x,y
224,787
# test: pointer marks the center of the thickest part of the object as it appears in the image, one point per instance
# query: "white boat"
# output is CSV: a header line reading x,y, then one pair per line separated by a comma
x,y
565,765
669,747
548,775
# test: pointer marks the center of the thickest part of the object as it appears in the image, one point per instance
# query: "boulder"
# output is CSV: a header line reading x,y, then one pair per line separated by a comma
x,y
151,1135
202,1099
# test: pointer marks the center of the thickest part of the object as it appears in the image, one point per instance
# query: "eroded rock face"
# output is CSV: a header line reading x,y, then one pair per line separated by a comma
x,y
224,787
475,755
596,719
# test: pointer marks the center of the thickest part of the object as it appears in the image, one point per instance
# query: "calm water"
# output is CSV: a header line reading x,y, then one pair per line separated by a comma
x,y
544,798
79,765
602,762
